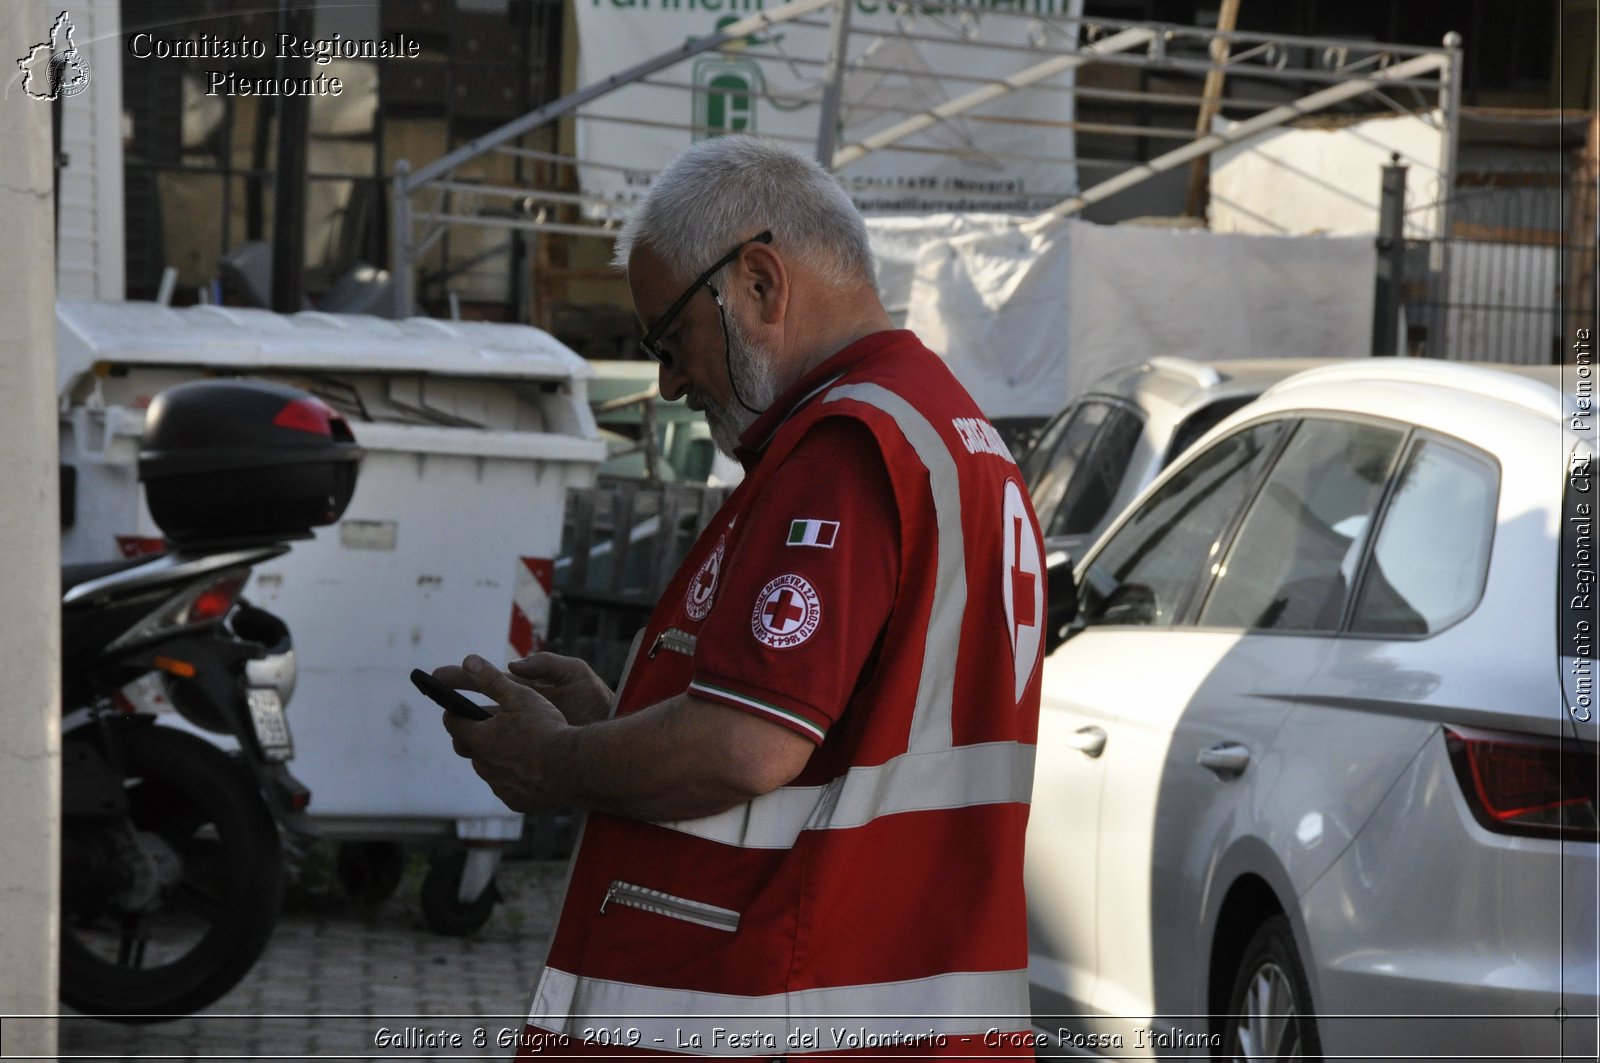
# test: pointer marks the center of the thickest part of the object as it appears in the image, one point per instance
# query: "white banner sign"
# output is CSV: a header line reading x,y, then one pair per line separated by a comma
x,y
1012,154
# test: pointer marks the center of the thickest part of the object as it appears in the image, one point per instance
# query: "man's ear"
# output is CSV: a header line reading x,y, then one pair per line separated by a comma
x,y
766,277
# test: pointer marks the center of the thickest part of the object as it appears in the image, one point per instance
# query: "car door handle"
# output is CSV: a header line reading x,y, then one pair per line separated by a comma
x,y
1225,758
1090,741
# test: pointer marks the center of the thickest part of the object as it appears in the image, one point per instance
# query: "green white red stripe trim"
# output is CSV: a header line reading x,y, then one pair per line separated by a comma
x,y
767,707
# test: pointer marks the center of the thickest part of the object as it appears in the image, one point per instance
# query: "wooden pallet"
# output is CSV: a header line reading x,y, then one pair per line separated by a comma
x,y
622,541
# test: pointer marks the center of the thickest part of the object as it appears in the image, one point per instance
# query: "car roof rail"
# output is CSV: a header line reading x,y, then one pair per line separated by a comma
x,y
1512,384
1203,375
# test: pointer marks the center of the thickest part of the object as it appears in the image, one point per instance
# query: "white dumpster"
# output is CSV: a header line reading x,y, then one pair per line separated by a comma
x,y
473,433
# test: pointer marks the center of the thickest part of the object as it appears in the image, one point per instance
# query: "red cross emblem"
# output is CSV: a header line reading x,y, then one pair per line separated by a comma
x,y
1022,585
697,602
783,613
787,612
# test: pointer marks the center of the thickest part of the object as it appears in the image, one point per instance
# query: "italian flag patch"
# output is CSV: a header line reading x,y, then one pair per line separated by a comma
x,y
813,533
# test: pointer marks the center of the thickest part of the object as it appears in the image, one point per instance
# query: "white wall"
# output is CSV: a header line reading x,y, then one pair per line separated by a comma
x,y
1327,180
30,648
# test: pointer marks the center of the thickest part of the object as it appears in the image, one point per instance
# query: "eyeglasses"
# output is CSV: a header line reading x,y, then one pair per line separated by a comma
x,y
651,344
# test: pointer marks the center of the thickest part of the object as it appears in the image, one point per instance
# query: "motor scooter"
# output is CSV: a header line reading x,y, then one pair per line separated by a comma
x,y
172,847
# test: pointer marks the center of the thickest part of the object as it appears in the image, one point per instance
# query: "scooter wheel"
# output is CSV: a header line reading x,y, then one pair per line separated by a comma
x,y
199,888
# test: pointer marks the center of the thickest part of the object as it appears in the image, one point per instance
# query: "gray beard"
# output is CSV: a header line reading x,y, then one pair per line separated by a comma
x,y
757,385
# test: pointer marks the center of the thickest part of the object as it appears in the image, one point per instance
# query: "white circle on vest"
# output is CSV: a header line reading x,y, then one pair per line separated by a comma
x,y
1022,587
787,612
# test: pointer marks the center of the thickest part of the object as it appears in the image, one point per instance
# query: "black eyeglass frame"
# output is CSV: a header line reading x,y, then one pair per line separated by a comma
x,y
650,344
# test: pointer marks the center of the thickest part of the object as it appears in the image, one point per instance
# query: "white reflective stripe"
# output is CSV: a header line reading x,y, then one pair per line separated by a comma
x,y
931,726
627,670
963,777
866,1016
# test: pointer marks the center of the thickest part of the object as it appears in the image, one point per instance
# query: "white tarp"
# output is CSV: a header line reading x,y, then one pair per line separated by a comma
x,y
772,84
897,240
1327,179
1027,316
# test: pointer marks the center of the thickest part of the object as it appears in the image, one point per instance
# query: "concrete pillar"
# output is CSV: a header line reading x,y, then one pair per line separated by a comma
x,y
30,634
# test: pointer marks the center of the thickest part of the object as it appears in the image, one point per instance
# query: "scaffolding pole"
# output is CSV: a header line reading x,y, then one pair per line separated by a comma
x,y
1244,131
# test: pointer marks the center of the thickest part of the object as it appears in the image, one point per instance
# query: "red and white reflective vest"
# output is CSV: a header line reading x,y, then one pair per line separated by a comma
x,y
875,903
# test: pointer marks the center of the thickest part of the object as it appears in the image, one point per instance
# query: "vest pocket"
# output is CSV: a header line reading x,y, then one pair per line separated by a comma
x,y
648,900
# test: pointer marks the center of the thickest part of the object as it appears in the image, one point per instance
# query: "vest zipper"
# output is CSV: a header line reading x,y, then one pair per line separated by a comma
x,y
648,900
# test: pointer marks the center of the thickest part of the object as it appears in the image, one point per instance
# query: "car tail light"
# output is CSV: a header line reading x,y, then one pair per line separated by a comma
x,y
1523,784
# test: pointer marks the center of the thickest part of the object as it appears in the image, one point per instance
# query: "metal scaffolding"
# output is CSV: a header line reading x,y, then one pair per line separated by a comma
x,y
1279,71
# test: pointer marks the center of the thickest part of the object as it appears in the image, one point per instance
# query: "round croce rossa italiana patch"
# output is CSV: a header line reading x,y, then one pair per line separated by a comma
x,y
787,612
702,590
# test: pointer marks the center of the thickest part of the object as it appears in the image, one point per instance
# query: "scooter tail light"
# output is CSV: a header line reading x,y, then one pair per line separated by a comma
x,y
1527,785
197,605
214,602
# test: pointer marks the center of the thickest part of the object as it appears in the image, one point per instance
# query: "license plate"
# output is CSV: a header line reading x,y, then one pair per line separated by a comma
x,y
272,727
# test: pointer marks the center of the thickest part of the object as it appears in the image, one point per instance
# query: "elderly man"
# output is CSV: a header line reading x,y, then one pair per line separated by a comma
x,y
808,797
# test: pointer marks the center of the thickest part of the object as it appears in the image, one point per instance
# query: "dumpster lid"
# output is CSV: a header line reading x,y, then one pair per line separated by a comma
x,y
89,331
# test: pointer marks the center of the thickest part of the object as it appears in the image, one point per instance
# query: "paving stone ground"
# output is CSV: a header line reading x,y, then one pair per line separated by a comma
x,y
344,981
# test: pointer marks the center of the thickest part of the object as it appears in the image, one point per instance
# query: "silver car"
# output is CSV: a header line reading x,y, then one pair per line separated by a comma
x,y
1090,460
1317,766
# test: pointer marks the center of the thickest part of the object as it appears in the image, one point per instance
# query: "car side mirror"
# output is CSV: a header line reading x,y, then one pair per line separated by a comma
x,y
1131,603
1061,610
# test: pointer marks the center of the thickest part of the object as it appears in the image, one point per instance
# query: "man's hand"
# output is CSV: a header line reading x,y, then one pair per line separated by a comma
x,y
512,750
568,683
678,759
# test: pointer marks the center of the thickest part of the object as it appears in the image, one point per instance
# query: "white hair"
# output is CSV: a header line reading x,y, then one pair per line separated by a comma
x,y
728,189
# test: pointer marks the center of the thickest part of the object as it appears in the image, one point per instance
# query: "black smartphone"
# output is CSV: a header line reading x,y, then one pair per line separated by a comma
x,y
447,698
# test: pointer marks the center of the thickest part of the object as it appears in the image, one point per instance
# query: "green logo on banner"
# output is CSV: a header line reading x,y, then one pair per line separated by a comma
x,y
725,97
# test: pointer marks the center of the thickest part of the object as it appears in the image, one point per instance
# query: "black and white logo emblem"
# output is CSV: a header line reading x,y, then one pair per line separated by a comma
x,y
55,69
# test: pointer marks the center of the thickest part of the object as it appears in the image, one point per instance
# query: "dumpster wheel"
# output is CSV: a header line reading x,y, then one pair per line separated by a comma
x,y
370,871
442,909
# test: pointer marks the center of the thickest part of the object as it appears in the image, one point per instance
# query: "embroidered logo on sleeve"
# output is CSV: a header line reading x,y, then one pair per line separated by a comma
x,y
697,602
813,533
787,612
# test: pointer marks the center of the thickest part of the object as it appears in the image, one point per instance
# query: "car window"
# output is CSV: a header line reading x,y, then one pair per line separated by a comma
x,y
1037,459
1059,454
1431,556
1199,423
1097,475
1293,563
1145,572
